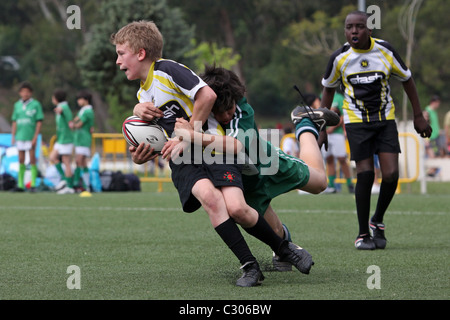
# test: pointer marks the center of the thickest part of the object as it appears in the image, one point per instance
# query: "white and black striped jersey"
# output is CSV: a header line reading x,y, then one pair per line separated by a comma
x,y
172,87
364,76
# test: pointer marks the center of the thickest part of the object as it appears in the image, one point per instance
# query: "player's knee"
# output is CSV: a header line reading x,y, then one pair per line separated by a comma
x,y
210,200
319,185
241,213
322,185
390,176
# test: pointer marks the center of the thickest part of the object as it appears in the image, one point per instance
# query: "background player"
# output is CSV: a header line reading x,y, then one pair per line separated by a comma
x,y
63,147
363,66
83,126
337,151
26,125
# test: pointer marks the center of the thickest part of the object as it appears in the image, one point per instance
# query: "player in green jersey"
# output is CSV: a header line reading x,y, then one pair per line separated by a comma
x,y
271,172
83,126
63,146
26,125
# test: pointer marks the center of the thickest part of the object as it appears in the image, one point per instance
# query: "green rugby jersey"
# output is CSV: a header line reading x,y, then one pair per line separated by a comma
x,y
64,135
83,135
26,114
260,154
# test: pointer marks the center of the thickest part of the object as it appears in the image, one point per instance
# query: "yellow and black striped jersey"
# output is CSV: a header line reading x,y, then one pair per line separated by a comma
x,y
172,87
364,76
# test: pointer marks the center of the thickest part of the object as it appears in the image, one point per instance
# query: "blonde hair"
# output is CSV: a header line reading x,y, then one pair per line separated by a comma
x,y
141,35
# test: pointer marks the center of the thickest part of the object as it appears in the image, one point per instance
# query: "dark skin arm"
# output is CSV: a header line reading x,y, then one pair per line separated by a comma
x,y
420,124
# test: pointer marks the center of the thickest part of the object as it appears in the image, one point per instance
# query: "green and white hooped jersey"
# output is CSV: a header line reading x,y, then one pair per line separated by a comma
x,y
364,76
172,87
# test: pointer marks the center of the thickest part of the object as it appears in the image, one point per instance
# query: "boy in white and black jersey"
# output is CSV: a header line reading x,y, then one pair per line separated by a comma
x,y
363,68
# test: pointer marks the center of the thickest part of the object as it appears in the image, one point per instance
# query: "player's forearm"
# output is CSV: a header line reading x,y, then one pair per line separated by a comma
x,y
224,144
411,91
13,129
327,97
204,101
38,129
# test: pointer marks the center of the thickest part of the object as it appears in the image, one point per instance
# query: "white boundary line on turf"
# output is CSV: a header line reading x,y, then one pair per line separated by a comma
x,y
141,209
440,213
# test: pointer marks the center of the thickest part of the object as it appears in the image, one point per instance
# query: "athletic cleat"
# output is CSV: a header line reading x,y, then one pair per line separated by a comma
x,y
276,262
378,234
66,190
329,190
252,275
321,117
297,256
17,189
279,265
61,185
365,243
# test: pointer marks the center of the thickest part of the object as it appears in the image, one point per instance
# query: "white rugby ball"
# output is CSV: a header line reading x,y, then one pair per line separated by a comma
x,y
135,131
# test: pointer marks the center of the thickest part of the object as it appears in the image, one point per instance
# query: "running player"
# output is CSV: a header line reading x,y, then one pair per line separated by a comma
x,y
363,66
26,125
168,91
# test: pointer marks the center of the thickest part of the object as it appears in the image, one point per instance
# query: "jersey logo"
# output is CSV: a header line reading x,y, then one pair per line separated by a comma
x,y
30,113
173,109
229,176
364,63
365,78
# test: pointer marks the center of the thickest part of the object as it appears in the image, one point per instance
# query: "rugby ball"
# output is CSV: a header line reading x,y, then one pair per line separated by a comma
x,y
135,131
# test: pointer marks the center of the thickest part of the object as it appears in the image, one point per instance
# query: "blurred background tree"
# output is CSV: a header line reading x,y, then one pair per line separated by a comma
x,y
271,45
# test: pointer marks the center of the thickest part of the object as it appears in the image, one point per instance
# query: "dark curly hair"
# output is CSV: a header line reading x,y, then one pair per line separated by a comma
x,y
227,86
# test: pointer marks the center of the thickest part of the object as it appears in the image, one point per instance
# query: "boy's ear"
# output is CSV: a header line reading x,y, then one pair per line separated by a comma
x,y
142,54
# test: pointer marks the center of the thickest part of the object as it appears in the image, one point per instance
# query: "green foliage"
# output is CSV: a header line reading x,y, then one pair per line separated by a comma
x,y
320,35
273,45
205,53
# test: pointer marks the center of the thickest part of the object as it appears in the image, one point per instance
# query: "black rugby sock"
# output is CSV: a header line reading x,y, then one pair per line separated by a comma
x,y
387,192
363,191
232,236
264,232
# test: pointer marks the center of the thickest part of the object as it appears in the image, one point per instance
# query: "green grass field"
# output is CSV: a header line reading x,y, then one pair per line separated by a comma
x,y
140,246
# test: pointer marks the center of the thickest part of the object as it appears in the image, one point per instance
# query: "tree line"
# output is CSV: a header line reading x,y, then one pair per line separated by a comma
x,y
271,45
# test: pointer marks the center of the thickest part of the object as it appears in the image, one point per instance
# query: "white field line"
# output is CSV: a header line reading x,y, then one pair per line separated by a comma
x,y
143,209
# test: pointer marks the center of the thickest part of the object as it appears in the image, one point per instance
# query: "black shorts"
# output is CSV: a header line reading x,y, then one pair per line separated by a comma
x,y
184,176
369,138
